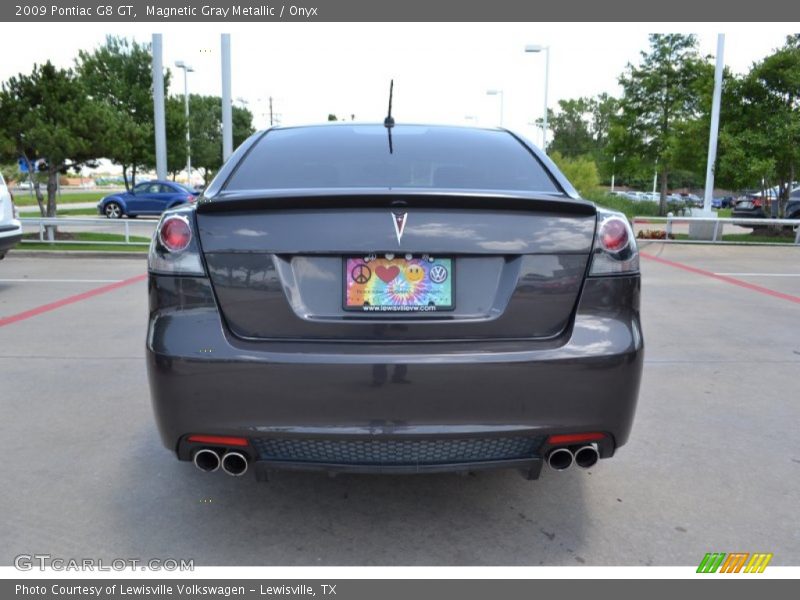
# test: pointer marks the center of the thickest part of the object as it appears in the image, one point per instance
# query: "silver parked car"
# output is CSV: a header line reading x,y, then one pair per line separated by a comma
x,y
10,226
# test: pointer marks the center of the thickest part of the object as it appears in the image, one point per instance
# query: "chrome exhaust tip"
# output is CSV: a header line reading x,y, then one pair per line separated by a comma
x,y
235,464
586,457
206,460
559,459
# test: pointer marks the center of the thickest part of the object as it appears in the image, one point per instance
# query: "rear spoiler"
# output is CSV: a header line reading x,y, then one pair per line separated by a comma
x,y
249,200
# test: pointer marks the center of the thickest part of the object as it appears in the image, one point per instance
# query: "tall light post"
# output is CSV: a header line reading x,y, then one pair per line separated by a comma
x,y
535,48
227,108
497,93
714,131
186,70
613,171
159,120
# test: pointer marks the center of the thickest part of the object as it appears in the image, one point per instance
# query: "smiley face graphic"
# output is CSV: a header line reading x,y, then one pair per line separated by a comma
x,y
414,273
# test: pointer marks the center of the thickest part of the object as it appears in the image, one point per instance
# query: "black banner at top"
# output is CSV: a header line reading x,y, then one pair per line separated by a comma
x,y
259,11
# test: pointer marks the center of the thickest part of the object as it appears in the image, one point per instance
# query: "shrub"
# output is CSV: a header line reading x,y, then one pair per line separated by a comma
x,y
581,172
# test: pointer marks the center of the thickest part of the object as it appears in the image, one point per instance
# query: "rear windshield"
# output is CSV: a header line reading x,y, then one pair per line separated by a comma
x,y
359,156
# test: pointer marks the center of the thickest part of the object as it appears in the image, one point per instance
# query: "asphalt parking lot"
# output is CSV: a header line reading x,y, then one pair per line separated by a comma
x,y
713,463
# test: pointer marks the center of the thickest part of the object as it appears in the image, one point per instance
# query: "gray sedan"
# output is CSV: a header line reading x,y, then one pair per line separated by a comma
x,y
393,299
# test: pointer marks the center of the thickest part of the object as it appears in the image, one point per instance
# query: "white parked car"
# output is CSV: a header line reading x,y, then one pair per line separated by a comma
x,y
10,227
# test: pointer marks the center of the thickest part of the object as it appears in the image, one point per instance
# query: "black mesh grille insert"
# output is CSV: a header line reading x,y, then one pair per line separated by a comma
x,y
396,451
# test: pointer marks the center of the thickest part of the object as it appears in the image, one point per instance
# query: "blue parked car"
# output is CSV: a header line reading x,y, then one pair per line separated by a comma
x,y
148,198
723,202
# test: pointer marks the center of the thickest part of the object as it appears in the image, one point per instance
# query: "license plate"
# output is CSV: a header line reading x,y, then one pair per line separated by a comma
x,y
398,283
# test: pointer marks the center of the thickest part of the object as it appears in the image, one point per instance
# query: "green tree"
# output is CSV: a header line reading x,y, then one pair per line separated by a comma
x,y
760,137
571,127
205,125
10,171
49,114
581,128
580,170
175,119
660,96
120,74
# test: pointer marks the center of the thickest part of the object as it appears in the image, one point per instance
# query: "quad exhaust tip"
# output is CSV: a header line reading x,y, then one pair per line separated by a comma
x,y
586,457
206,460
234,463
560,459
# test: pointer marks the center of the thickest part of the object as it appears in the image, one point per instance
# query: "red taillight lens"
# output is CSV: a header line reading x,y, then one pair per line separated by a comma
x,y
190,198
218,440
757,203
574,438
175,233
613,234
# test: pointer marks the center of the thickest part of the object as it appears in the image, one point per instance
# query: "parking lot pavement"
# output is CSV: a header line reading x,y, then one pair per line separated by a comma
x,y
713,463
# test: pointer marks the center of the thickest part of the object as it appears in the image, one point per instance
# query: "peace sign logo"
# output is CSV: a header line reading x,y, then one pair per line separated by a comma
x,y
361,274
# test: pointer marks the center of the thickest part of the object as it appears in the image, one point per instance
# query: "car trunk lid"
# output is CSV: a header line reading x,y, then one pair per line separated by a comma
x,y
277,264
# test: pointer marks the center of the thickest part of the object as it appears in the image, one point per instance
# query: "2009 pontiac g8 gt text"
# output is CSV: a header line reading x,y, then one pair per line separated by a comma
x,y
397,299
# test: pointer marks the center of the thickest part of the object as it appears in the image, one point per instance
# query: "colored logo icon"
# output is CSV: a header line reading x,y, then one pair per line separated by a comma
x,y
438,274
735,562
361,274
414,273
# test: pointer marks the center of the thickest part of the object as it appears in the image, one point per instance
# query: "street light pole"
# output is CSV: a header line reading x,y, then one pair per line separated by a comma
x,y
535,48
497,93
714,131
158,108
613,171
186,70
227,109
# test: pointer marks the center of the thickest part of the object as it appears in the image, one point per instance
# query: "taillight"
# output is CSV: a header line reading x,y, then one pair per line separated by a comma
x,y
175,233
757,203
190,198
615,249
613,234
174,249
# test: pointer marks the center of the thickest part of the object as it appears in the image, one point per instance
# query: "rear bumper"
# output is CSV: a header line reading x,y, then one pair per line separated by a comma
x,y
10,236
755,213
203,380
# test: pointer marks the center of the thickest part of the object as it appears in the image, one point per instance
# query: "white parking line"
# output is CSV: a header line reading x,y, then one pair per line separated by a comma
x,y
27,280
760,274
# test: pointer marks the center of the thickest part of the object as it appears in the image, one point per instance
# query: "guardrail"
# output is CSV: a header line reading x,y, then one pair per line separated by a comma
x,y
124,225
719,224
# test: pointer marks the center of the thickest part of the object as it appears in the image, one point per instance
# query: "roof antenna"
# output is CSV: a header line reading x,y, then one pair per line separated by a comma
x,y
388,122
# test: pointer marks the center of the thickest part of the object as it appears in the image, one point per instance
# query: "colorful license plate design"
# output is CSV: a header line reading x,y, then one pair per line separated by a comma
x,y
398,284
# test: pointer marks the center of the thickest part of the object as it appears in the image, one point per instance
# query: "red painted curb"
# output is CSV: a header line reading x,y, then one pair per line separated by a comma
x,y
69,300
733,281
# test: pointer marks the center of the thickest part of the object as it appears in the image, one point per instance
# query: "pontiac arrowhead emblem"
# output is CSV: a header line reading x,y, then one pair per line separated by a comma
x,y
399,220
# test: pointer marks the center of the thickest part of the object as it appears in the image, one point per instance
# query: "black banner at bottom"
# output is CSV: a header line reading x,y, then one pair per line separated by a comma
x,y
391,589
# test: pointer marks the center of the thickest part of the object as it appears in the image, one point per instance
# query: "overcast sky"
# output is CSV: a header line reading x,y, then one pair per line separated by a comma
x,y
441,71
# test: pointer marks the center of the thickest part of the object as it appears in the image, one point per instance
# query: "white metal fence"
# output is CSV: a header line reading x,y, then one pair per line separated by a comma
x,y
718,226
126,228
